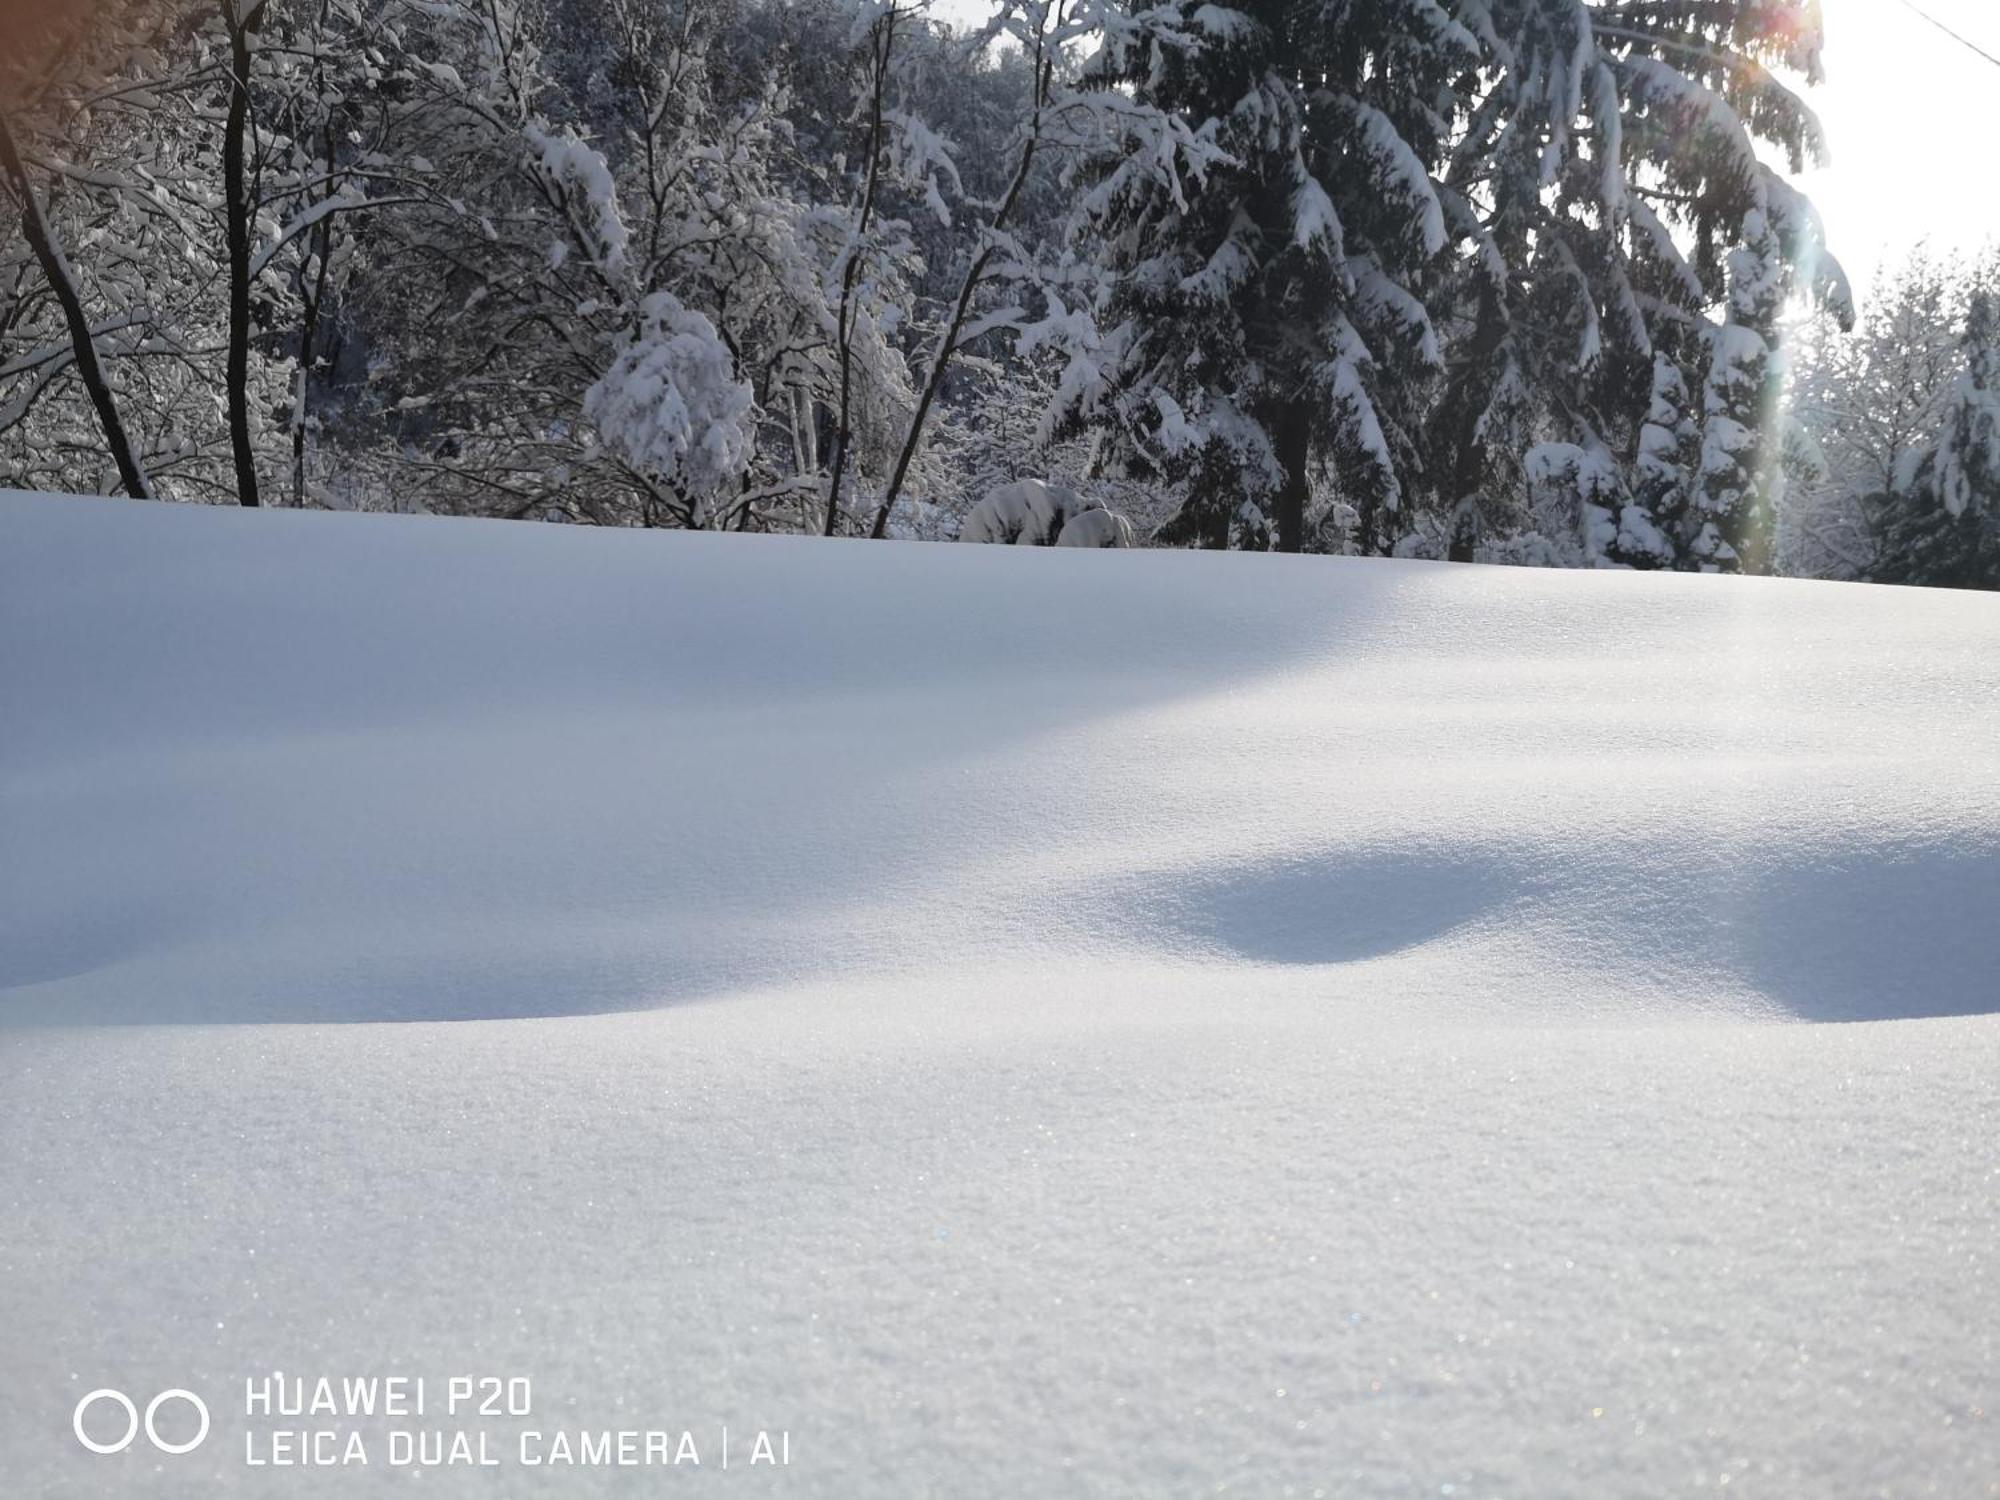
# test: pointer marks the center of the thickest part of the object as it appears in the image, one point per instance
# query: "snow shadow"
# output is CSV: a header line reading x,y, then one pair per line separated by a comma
x,y
455,771
1331,908
1877,934
1875,931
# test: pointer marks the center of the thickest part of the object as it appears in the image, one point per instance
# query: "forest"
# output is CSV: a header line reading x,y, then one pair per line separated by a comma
x,y
1520,281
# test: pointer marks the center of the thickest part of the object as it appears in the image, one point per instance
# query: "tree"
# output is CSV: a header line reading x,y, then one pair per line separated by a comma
x,y
203,158
881,28
41,237
67,318
1608,192
241,21
1940,524
1868,401
1736,490
1267,222
1041,28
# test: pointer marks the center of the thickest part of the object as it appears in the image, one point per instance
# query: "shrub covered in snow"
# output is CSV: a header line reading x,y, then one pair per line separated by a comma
x,y
1030,513
671,405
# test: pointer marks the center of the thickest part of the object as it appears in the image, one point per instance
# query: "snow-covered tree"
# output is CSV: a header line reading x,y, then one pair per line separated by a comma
x,y
33,373
1265,221
1867,402
1663,472
1040,30
552,348
1940,525
83,376
1966,462
871,243
1608,195
201,164
1736,491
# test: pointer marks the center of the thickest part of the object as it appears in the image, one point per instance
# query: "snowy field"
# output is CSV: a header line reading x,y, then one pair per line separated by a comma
x,y
1023,1023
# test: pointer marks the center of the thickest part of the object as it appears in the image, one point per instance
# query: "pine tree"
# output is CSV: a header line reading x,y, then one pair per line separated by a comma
x,y
1663,472
1264,324
1608,187
1535,189
1735,498
1968,455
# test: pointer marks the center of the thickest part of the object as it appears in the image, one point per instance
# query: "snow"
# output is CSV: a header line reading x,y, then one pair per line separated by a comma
x,y
1344,382
575,167
1026,1022
1698,112
1313,218
1382,297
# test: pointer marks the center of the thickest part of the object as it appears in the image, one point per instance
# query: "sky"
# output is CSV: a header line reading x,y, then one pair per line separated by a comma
x,y
1911,116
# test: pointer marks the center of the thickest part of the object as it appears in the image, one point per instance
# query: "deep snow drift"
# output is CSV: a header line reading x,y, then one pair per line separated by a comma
x,y
1026,1022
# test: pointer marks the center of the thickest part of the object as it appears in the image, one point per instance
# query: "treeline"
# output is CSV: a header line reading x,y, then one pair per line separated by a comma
x,y
1499,279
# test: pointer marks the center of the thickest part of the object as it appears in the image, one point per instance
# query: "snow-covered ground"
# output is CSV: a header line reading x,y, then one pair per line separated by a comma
x,y
1023,1022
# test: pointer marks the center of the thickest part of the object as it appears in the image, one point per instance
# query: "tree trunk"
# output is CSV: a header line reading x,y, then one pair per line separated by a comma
x,y
962,307
237,211
1292,438
313,296
881,44
41,236
1469,459
1464,547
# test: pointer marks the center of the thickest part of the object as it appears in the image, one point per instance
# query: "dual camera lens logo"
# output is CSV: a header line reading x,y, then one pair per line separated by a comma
x,y
133,1421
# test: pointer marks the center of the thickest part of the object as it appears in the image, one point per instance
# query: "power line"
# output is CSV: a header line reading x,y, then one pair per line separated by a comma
x,y
1963,41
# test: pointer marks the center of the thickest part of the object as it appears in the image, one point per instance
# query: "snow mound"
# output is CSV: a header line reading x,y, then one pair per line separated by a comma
x,y
311,767
1029,1021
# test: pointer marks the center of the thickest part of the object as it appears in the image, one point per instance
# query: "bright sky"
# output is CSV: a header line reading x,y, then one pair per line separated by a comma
x,y
1913,118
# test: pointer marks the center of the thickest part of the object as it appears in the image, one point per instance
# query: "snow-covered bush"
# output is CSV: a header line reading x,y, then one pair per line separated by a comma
x,y
671,405
1095,528
1030,513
